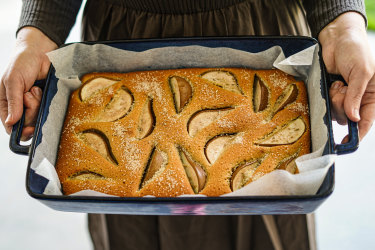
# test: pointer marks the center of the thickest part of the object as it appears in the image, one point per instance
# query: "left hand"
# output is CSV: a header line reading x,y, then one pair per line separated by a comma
x,y
346,51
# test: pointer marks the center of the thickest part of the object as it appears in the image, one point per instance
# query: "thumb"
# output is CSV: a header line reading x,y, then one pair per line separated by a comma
x,y
356,88
14,93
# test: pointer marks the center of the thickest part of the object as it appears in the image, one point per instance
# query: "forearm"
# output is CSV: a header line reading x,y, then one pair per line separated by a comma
x,y
322,12
54,18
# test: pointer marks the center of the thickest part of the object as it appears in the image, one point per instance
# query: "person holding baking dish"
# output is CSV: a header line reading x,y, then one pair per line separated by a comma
x,y
339,25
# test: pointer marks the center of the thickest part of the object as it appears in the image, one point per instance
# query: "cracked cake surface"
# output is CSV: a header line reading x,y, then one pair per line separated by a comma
x,y
167,133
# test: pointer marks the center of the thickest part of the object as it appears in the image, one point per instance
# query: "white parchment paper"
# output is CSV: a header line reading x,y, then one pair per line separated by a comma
x,y
73,61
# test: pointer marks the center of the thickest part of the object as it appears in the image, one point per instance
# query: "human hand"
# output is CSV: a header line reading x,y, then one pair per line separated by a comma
x,y
28,64
346,51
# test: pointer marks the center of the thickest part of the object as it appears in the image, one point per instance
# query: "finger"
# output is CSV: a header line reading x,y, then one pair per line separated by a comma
x,y
4,108
337,95
32,103
345,139
335,87
37,93
365,124
27,133
368,116
367,111
357,85
333,90
14,94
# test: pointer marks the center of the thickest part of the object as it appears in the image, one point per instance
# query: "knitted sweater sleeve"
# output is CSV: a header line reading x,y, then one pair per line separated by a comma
x,y
322,12
54,18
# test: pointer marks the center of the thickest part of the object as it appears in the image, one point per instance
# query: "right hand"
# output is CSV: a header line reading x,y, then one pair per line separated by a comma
x,y
28,64
346,51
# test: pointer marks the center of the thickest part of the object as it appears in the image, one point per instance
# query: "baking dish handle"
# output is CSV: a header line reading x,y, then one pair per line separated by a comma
x,y
353,142
15,138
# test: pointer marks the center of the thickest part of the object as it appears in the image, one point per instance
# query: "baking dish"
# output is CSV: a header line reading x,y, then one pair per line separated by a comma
x,y
36,184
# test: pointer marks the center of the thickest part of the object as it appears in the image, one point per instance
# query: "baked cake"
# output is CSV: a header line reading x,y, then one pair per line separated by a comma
x,y
185,131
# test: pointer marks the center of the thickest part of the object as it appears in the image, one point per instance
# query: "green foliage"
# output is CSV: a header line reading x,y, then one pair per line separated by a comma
x,y
370,10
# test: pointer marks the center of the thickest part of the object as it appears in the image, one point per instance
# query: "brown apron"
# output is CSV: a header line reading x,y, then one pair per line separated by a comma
x,y
130,19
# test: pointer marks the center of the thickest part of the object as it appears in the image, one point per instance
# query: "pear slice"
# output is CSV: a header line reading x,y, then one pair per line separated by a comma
x,y
287,134
288,96
223,79
203,118
289,163
243,174
215,146
99,142
182,92
146,121
95,85
118,107
195,173
260,95
155,166
86,175
291,167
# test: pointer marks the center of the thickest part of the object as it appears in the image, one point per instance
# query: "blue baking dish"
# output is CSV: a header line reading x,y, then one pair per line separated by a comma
x,y
246,205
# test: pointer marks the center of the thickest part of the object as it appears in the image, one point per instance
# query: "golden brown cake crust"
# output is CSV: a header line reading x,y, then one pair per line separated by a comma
x,y
183,131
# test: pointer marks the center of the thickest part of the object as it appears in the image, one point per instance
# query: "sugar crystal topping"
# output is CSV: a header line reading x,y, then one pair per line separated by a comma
x,y
278,80
167,135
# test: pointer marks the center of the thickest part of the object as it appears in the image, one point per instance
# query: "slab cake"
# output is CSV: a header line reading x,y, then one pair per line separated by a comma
x,y
167,133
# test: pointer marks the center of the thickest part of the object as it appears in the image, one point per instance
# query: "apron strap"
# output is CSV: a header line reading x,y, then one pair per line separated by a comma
x,y
273,232
310,218
99,232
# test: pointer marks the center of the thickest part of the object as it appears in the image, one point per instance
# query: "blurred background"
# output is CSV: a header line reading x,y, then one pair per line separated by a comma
x,y
345,221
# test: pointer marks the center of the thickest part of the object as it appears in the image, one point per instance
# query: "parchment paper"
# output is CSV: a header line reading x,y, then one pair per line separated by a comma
x,y
73,61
